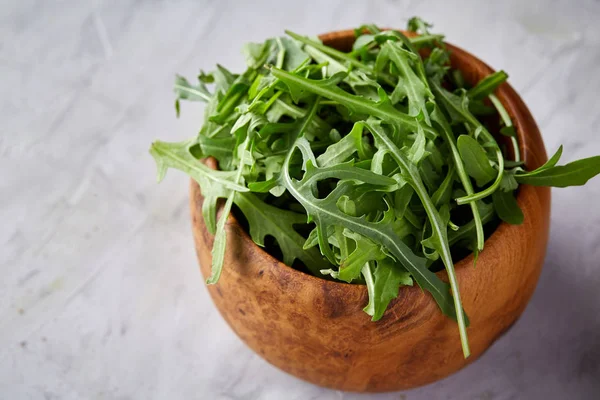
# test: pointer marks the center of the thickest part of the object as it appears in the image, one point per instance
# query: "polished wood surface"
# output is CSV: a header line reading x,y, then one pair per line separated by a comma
x,y
316,329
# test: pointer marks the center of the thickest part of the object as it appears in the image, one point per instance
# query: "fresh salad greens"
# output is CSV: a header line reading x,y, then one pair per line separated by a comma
x,y
376,166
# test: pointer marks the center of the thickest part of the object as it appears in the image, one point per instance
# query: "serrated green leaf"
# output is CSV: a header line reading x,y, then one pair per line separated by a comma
x,y
416,90
388,277
185,91
365,250
266,220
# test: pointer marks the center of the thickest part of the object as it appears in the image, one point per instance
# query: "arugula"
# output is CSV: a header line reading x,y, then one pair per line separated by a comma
x,y
386,280
357,164
576,173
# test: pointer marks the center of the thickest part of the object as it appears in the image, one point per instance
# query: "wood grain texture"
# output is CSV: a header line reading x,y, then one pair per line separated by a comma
x,y
316,329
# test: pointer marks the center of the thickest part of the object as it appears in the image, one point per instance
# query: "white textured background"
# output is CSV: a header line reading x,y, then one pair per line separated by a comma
x,y
100,293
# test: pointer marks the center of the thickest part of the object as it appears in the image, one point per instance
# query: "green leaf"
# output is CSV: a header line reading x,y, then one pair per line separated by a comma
x,y
341,151
417,25
402,199
223,79
509,183
507,207
257,54
214,184
416,90
220,240
267,220
417,151
232,97
548,164
488,85
388,277
508,131
366,250
294,55
443,194
475,159
178,156
220,148
576,173
382,109
458,109
218,250
263,186
185,91
327,50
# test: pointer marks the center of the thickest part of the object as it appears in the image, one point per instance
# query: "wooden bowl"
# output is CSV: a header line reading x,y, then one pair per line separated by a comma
x,y
316,329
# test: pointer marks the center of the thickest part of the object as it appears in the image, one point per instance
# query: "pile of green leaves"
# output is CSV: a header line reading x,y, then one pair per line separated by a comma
x,y
376,166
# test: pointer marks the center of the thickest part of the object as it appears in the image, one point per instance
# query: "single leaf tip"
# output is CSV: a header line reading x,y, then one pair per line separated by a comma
x,y
161,167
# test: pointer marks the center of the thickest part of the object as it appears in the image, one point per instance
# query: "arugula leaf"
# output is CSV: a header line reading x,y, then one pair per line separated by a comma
x,y
264,220
507,207
488,85
444,193
388,277
476,161
552,161
416,90
366,250
185,91
178,156
341,151
576,173
327,50
257,54
220,148
382,109
218,250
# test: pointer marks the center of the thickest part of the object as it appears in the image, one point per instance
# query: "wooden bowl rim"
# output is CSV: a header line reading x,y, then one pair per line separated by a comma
x,y
517,111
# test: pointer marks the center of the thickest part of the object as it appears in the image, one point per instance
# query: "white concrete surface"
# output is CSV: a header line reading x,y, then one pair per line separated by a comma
x,y
100,295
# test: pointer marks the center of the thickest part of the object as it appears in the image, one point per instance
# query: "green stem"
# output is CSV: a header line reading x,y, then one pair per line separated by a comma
x,y
218,250
462,174
488,191
507,122
369,281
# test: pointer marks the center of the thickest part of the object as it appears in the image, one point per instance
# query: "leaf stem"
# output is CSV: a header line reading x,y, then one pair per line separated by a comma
x,y
508,123
488,191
